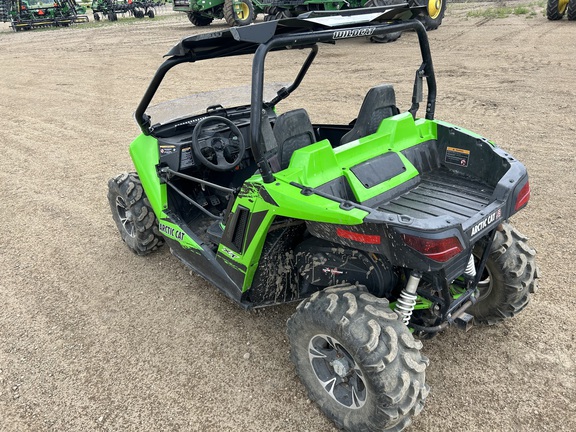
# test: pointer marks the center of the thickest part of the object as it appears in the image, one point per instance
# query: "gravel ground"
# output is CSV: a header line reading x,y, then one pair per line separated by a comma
x,y
93,337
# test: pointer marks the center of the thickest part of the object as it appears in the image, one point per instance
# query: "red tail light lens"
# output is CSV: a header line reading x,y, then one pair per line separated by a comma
x,y
523,197
358,237
440,250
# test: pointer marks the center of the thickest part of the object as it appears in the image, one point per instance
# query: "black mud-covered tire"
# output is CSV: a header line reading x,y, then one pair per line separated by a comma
x,y
133,214
96,17
509,278
390,37
571,10
233,18
199,20
346,331
436,11
151,14
555,9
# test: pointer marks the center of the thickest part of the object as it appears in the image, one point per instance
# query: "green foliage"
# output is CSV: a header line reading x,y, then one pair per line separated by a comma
x,y
504,11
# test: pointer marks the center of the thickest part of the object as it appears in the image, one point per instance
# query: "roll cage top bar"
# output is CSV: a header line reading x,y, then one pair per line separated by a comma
x,y
303,32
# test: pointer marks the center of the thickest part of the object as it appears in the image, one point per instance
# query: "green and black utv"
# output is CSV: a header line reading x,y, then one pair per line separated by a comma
x,y
387,229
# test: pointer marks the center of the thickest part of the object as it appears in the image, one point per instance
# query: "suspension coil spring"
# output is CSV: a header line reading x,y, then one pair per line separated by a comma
x,y
407,300
470,268
405,305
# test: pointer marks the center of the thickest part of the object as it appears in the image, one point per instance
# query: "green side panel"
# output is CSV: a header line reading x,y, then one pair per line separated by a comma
x,y
145,156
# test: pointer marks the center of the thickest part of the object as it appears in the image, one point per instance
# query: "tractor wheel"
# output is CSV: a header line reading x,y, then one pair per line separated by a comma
x,y
133,214
436,11
199,20
357,360
555,9
239,14
390,37
151,13
571,10
112,16
508,279
96,17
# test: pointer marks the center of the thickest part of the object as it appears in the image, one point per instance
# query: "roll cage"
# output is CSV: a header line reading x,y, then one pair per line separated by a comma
x,y
303,32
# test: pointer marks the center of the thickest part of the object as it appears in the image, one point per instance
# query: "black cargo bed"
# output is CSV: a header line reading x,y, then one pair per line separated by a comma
x,y
441,193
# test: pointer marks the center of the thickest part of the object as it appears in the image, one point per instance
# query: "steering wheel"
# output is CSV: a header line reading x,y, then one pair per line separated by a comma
x,y
218,143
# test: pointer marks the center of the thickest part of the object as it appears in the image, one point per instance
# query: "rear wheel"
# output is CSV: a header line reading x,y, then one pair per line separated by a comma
x,y
508,279
133,214
555,9
199,20
239,14
357,360
436,11
390,37
571,11
151,13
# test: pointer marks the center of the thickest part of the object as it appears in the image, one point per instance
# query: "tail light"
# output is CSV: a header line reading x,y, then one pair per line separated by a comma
x,y
440,250
523,197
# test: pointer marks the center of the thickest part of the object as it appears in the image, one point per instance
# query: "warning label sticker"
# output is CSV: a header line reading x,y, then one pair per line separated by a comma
x,y
456,156
167,149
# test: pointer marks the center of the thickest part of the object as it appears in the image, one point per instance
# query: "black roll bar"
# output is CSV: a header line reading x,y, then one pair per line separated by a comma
x,y
304,40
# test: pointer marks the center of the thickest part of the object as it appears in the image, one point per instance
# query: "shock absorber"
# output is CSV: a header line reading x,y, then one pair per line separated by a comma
x,y
407,300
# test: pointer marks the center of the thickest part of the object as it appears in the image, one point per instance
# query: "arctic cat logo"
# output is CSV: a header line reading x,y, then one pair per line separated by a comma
x,y
484,223
179,235
343,34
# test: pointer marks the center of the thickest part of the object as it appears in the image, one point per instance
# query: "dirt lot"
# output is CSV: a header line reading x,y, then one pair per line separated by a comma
x,y
93,337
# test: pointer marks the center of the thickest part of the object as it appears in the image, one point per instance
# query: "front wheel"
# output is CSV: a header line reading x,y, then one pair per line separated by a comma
x,y
133,214
436,11
199,20
238,12
357,360
555,9
508,279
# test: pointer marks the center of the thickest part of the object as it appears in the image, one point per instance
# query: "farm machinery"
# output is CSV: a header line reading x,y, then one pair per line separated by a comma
x,y
556,9
387,225
243,12
31,14
112,8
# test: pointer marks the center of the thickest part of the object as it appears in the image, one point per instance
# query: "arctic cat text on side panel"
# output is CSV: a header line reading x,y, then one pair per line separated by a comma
x,y
386,229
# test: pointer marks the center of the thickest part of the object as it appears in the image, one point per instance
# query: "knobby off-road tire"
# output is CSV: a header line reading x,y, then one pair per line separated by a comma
x,y
133,214
571,10
555,9
199,20
244,17
391,37
436,11
357,360
509,278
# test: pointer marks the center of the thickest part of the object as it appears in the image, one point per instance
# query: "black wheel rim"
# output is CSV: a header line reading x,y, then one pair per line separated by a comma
x,y
337,371
125,216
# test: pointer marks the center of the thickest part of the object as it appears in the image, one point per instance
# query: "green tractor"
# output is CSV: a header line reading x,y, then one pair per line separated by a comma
x,y
27,15
235,12
556,9
243,12
386,228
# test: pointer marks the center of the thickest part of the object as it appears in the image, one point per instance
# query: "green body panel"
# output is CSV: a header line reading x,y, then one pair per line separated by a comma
x,y
319,163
